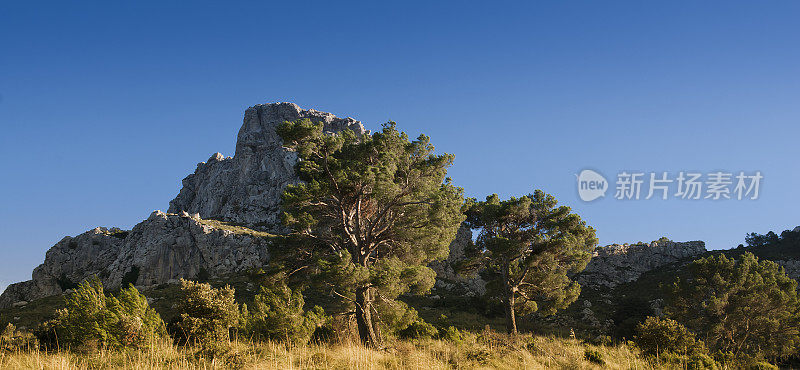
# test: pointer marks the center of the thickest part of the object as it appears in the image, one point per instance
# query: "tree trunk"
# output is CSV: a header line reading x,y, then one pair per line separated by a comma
x,y
364,321
511,317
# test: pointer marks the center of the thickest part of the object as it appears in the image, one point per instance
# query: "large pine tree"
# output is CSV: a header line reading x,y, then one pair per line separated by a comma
x,y
373,210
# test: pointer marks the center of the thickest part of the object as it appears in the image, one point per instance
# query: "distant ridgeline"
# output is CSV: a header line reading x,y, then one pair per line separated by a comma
x,y
226,221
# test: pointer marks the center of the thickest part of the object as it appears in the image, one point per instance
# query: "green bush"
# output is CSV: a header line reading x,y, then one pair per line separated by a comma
x,y
594,357
207,314
419,329
701,361
656,336
452,334
92,320
277,314
530,345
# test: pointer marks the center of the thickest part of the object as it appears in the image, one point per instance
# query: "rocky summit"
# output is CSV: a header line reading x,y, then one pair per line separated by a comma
x,y
246,188
220,223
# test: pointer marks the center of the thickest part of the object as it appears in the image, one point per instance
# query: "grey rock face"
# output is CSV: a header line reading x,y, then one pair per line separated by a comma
x,y
616,264
162,248
791,267
246,188
446,276
71,259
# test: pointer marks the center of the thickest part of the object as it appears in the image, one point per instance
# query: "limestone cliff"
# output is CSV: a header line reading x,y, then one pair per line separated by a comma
x,y
163,248
621,263
246,188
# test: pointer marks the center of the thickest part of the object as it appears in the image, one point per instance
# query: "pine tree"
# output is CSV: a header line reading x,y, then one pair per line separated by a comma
x,y
527,246
372,210
745,306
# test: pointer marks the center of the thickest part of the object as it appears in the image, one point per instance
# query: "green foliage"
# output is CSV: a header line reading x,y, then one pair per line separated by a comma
x,y
118,233
207,314
701,361
773,246
396,315
277,314
528,246
90,319
452,334
13,340
419,329
371,213
747,307
594,356
658,336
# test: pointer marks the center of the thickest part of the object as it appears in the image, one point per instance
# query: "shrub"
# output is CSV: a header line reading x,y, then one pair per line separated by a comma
x,y
92,320
452,334
594,356
419,329
701,361
657,336
277,314
324,334
530,345
13,340
207,314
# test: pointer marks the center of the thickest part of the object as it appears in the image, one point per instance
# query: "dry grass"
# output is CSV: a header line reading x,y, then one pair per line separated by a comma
x,y
472,353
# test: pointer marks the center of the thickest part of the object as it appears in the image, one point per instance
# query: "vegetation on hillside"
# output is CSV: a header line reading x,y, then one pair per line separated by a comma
x,y
347,287
744,307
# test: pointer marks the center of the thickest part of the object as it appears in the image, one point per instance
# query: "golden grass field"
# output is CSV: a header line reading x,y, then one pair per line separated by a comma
x,y
536,353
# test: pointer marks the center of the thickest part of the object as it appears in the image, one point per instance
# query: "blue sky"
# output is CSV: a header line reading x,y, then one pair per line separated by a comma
x,y
105,107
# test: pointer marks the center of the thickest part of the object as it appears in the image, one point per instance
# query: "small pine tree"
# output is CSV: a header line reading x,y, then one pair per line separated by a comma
x,y
277,314
528,247
658,336
207,314
90,319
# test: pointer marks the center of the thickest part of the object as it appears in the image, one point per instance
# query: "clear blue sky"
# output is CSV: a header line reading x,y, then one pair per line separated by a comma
x,y
106,106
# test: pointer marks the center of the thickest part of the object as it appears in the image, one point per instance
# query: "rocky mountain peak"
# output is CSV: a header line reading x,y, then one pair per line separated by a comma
x,y
245,189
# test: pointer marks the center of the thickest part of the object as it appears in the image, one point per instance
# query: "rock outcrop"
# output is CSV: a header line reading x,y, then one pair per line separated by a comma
x,y
791,267
246,188
161,249
617,264
448,278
